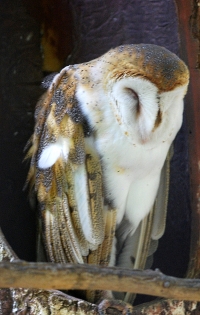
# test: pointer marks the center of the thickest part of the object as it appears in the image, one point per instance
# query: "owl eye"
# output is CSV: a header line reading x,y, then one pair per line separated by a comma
x,y
132,93
135,97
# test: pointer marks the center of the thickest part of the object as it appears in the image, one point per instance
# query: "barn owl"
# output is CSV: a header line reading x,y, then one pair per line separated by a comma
x,y
99,155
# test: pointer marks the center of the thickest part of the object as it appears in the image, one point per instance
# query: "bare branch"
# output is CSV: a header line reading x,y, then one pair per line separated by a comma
x,y
70,277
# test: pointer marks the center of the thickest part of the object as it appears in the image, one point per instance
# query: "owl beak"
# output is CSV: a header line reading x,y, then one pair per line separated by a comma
x,y
145,129
144,140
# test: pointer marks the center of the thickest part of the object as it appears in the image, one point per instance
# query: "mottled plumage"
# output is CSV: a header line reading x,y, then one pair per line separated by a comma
x,y
102,135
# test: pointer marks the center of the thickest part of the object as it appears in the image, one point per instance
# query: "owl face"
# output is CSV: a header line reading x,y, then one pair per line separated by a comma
x,y
143,112
138,88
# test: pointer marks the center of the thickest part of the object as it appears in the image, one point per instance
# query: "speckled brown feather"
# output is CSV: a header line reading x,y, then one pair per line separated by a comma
x,y
95,185
147,61
102,255
57,115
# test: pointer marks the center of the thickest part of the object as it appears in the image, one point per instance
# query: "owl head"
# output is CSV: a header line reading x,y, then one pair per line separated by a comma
x,y
141,86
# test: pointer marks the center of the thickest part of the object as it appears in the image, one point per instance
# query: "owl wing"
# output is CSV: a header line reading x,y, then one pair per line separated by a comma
x,y
65,172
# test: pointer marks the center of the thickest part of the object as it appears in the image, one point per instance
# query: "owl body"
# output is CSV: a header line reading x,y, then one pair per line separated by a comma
x,y
102,134
132,157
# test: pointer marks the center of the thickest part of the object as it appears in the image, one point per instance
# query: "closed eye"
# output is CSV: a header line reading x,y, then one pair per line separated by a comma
x,y
134,96
158,120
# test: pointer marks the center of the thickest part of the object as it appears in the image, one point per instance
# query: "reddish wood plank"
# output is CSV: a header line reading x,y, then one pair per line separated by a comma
x,y
187,12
